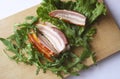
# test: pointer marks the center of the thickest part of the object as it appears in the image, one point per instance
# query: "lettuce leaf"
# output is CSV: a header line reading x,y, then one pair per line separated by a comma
x,y
67,62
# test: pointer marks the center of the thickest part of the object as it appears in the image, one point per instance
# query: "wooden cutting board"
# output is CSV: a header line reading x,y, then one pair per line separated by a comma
x,y
105,43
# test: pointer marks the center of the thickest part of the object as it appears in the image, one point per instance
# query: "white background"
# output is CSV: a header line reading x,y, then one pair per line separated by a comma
x,y
106,69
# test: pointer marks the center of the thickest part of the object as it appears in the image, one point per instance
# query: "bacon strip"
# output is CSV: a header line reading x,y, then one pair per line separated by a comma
x,y
49,40
37,43
55,36
69,16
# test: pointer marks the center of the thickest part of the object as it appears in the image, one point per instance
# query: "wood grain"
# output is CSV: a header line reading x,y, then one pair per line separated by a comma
x,y
105,43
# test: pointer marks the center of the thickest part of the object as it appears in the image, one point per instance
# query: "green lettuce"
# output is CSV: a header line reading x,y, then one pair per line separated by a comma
x,y
67,62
